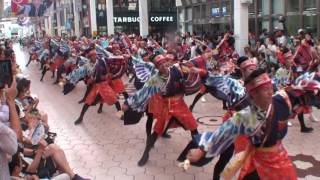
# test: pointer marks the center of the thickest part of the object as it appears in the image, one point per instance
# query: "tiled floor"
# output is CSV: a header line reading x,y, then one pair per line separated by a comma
x,y
103,148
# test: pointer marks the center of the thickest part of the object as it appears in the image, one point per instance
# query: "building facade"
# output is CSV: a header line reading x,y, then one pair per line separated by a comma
x,y
162,16
217,15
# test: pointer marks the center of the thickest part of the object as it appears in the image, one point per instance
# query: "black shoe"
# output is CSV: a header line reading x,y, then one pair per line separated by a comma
x,y
306,130
144,159
150,143
78,121
56,82
81,101
166,136
99,110
77,177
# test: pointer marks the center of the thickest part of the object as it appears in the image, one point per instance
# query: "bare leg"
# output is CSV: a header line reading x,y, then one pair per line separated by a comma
x,y
59,159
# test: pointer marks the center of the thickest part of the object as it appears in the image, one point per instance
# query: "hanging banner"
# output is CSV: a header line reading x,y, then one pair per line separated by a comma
x,y
30,8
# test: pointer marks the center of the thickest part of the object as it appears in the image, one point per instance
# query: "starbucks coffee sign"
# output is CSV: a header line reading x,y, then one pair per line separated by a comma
x,y
134,18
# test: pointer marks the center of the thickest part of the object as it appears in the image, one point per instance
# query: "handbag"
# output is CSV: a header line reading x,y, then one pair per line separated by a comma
x,y
46,168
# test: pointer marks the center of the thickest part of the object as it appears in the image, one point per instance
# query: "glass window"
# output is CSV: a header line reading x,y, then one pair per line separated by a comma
x,y
225,8
310,23
309,5
196,12
181,15
162,5
252,8
278,6
293,5
293,24
215,9
259,6
252,25
265,7
203,11
208,10
189,14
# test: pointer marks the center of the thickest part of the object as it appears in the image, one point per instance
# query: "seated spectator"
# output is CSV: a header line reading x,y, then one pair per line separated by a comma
x,y
48,161
27,106
40,159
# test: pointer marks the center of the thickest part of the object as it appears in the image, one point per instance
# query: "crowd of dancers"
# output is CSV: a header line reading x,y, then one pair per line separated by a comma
x,y
260,92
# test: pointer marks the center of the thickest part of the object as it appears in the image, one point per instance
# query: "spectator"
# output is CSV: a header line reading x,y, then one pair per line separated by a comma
x,y
10,130
281,39
193,50
1,53
272,51
263,36
260,47
252,40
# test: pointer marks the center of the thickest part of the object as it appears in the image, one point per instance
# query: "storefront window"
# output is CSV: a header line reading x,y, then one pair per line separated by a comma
x,y
203,11
278,6
309,5
252,8
293,5
208,10
251,24
189,14
310,15
293,24
259,6
162,5
215,9
125,5
310,23
196,12
265,7
226,8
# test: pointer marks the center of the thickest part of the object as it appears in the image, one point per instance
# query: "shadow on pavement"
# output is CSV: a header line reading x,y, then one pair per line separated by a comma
x,y
314,170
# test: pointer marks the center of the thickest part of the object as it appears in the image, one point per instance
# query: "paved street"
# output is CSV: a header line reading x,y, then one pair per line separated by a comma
x,y
102,148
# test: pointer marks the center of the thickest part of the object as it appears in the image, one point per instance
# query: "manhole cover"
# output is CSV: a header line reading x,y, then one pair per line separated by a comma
x,y
210,120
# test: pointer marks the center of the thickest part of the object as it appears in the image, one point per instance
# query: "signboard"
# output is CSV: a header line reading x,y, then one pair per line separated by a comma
x,y
154,18
215,12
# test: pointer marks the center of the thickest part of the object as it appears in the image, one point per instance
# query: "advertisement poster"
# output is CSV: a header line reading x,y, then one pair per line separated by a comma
x,y
30,8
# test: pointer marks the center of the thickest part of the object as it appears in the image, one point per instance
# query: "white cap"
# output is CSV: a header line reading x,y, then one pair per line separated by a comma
x,y
300,31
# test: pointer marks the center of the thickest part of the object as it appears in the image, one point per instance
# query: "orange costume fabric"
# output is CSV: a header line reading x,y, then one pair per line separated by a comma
x,y
57,62
270,163
175,107
156,105
106,92
117,86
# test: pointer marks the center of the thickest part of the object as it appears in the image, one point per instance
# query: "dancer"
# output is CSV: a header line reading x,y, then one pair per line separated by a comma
x,y
101,90
265,121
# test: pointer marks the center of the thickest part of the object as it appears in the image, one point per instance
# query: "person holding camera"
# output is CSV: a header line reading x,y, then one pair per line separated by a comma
x,y
10,130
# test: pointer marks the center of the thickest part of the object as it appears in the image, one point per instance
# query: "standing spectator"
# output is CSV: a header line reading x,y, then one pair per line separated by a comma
x,y
260,47
252,40
10,130
282,40
263,36
193,50
272,51
318,48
